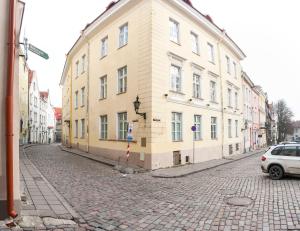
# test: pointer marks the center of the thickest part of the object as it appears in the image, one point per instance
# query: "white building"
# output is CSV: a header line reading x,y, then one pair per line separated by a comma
x,y
41,113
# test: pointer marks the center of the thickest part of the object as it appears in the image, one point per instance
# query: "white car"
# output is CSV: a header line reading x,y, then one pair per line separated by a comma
x,y
281,160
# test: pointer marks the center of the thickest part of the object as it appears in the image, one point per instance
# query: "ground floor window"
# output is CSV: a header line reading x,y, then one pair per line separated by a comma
x,y
176,126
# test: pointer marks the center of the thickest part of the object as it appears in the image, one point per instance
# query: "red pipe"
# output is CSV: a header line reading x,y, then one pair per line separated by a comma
x,y
10,112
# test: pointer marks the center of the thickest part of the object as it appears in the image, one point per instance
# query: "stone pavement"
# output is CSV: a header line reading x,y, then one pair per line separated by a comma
x,y
235,196
185,170
43,207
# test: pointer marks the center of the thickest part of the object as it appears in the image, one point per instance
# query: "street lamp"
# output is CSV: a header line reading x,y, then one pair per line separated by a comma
x,y
136,105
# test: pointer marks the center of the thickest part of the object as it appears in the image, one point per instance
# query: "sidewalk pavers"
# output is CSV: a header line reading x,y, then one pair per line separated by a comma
x,y
42,206
185,170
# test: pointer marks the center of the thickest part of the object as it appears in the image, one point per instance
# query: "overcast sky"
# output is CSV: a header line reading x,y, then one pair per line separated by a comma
x,y
267,31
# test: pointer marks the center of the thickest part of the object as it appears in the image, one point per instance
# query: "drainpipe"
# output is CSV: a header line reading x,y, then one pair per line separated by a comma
x,y
221,86
9,111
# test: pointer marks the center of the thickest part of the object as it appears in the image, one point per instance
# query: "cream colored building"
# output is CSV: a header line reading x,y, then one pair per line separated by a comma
x,y
185,70
262,141
23,99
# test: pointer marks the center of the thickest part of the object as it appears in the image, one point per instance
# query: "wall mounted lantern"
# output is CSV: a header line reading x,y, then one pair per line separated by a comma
x,y
136,105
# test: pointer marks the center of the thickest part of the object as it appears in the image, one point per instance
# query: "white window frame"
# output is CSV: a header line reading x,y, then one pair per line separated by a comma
x,y
197,86
234,69
82,128
195,43
211,53
229,128
213,128
213,91
122,79
229,92
174,30
236,128
123,35
103,87
176,80
76,129
198,123
76,99
82,96
228,64
176,126
122,125
77,68
83,59
104,47
103,127
236,100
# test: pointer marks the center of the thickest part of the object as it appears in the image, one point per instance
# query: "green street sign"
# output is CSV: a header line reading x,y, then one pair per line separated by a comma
x,y
38,51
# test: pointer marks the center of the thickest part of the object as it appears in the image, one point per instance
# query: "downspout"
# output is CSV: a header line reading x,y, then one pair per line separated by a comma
x,y
9,111
87,97
221,86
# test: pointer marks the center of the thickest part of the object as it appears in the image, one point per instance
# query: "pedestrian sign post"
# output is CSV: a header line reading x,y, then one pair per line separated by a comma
x,y
193,128
129,139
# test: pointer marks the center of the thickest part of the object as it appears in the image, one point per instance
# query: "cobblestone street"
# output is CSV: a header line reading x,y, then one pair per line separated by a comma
x,y
107,200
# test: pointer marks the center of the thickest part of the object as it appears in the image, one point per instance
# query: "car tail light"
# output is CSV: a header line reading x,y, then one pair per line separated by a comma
x,y
263,158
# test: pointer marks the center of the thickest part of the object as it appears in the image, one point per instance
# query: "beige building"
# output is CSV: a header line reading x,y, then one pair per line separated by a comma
x,y
185,70
23,99
4,61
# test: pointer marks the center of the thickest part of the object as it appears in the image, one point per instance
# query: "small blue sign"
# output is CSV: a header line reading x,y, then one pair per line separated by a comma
x,y
129,138
193,128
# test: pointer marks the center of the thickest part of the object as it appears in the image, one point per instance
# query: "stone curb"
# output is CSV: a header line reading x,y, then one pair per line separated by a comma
x,y
204,169
74,214
110,163
86,156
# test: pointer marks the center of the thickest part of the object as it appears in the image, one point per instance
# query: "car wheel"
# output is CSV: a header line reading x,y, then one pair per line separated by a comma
x,y
276,172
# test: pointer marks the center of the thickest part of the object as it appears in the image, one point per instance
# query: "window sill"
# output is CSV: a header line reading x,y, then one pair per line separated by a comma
x,y
214,102
82,106
216,139
100,99
197,98
102,57
196,53
177,43
122,46
177,92
199,140
212,62
177,141
120,93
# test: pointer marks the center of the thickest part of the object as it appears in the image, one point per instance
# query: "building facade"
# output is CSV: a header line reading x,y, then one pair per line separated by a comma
x,y
58,124
185,71
23,99
4,26
41,113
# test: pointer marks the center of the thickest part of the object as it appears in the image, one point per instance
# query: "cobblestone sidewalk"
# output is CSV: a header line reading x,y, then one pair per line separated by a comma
x,y
181,171
43,208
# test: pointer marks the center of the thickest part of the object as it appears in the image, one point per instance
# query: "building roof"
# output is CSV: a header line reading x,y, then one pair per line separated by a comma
x,y
114,3
44,94
296,124
58,113
30,75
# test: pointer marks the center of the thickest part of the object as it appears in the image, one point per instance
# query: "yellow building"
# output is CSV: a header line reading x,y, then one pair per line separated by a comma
x,y
184,69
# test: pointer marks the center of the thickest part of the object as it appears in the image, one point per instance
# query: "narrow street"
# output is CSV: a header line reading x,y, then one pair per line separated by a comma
x,y
106,200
